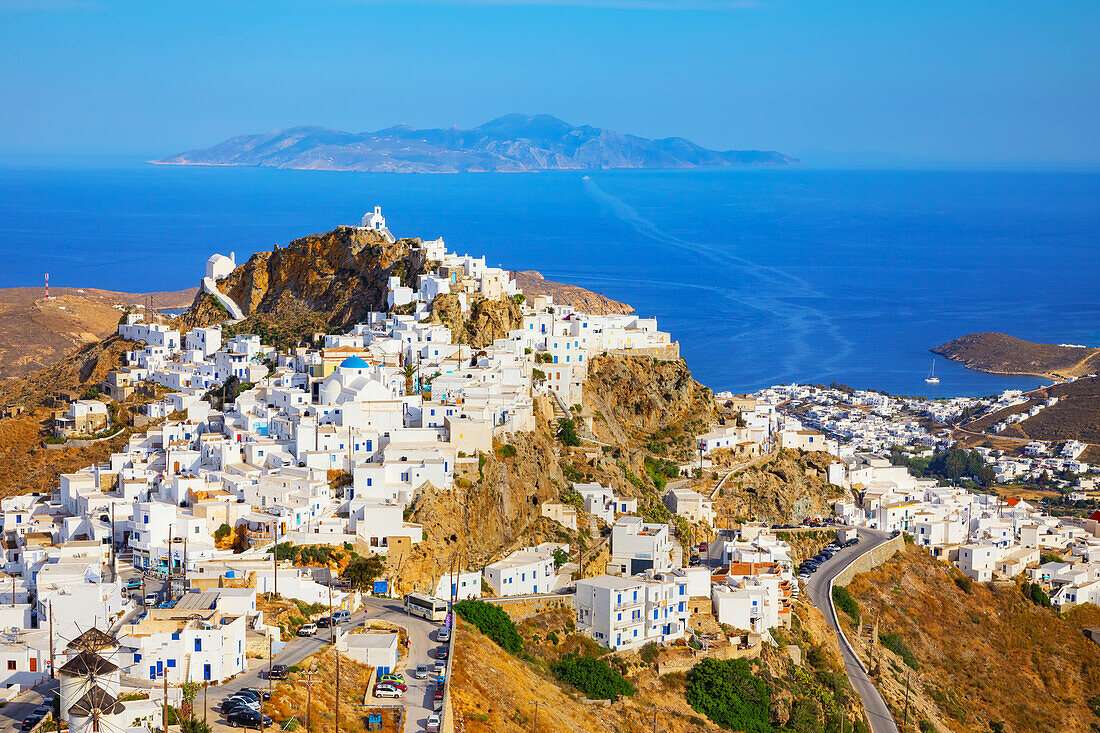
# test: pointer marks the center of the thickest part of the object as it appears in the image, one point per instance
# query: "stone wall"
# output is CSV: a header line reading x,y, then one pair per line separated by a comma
x,y
523,607
870,560
671,352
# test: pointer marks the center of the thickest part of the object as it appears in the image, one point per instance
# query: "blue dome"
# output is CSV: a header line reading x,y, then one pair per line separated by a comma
x,y
354,362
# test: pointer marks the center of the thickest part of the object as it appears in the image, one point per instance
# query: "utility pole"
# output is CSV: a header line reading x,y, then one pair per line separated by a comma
x,y
275,557
331,633
270,662
308,682
336,718
537,705
164,710
49,608
206,686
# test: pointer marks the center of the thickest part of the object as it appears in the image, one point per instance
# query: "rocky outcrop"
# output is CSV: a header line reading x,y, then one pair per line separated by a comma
x,y
635,396
486,321
342,274
784,490
532,284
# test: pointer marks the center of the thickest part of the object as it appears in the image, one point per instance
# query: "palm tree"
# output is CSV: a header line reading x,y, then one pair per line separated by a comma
x,y
410,374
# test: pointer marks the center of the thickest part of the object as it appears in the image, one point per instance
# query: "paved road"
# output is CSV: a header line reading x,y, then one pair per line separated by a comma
x,y
818,590
12,714
418,697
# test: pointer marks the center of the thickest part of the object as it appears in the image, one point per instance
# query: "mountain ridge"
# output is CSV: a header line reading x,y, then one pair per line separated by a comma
x,y
511,143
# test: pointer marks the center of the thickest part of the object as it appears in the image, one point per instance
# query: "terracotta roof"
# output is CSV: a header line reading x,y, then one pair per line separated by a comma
x,y
1013,501
1095,515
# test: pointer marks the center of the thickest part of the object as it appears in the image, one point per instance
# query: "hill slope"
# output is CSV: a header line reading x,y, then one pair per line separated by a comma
x,y
1000,353
35,332
985,654
511,143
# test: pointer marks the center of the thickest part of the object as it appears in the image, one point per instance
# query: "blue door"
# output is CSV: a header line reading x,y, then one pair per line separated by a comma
x,y
206,671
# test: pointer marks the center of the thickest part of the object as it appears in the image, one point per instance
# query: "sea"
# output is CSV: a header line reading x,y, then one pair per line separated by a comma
x,y
764,275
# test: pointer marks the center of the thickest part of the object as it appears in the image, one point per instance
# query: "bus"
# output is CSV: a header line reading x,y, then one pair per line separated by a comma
x,y
427,607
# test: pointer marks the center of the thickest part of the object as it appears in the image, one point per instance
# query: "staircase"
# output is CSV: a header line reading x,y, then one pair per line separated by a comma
x,y
185,673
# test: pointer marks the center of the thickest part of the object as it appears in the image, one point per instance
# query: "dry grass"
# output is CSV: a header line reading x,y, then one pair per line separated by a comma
x,y
985,656
290,697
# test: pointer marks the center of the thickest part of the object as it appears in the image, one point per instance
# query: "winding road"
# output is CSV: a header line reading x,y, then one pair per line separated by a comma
x,y
819,588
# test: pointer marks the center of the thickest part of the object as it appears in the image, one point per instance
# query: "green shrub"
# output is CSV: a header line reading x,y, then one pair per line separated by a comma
x,y
965,583
493,622
506,451
727,692
897,645
222,532
649,652
594,677
844,601
926,727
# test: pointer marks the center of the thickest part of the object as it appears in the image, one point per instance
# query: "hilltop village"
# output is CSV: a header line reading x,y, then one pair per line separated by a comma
x,y
166,547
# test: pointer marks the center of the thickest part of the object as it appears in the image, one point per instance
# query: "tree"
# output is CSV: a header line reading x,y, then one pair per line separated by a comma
x,y
492,621
597,679
363,571
410,376
567,432
728,693
560,557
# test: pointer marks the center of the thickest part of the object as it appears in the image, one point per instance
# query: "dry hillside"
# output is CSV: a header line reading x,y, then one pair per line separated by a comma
x,y
1000,353
35,332
496,692
984,654
532,283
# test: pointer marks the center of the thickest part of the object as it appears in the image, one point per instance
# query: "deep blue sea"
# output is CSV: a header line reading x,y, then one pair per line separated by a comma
x,y
763,275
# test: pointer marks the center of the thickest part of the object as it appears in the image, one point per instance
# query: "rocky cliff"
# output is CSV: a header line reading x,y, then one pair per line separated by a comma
x,y
785,489
341,275
486,321
635,396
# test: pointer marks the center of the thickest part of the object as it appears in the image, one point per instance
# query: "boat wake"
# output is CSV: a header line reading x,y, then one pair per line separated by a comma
x,y
753,286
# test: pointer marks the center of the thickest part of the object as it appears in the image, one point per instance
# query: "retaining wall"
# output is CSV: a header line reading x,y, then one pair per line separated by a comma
x,y
870,560
526,606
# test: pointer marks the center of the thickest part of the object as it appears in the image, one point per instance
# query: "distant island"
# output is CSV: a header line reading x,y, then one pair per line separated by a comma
x,y
512,143
999,353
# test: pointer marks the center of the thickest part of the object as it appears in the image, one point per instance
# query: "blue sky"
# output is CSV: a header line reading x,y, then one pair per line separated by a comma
x,y
984,82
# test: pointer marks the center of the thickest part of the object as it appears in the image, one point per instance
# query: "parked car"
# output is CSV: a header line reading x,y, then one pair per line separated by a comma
x,y
386,691
441,652
443,634
261,691
421,672
433,723
324,622
151,599
440,666
239,701
391,676
30,722
399,684
307,629
280,672
133,583
42,711
247,719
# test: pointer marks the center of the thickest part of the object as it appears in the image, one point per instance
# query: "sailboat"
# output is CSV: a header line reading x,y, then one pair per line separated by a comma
x,y
932,378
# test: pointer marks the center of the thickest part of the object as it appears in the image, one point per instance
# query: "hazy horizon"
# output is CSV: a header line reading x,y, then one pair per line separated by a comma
x,y
1008,83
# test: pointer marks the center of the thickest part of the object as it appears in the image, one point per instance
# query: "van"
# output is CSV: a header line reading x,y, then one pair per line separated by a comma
x,y
341,617
151,599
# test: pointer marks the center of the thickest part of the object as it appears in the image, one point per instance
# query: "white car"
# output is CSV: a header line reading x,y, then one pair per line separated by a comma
x,y
433,723
386,691
307,630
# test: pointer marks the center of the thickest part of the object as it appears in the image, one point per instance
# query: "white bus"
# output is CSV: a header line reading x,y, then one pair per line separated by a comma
x,y
427,607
